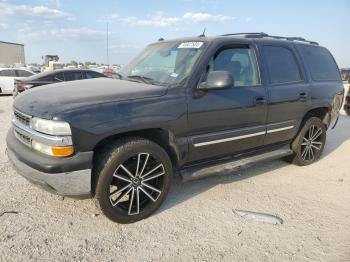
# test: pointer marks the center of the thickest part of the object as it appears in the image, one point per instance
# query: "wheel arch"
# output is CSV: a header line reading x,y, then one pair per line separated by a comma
x,y
162,137
322,112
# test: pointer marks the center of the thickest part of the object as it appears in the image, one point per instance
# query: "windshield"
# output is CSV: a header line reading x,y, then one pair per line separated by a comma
x,y
163,63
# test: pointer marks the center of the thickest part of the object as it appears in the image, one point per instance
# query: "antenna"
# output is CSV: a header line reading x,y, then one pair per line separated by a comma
x,y
203,34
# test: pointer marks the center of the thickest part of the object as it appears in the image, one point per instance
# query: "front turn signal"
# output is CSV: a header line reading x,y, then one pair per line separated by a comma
x,y
62,151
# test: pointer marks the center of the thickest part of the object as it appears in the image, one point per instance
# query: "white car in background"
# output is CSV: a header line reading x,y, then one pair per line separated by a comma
x,y
8,76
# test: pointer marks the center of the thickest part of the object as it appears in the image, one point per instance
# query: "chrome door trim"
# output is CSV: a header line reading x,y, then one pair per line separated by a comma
x,y
279,129
229,139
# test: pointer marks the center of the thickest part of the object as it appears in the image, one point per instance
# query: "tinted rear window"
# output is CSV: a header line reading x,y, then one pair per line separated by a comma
x,y
71,76
320,63
7,72
90,74
23,73
282,65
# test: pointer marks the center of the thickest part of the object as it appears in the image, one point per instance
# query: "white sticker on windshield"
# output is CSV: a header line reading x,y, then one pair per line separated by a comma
x,y
174,75
191,45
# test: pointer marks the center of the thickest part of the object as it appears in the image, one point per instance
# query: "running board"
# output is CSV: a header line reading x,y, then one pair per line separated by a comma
x,y
202,171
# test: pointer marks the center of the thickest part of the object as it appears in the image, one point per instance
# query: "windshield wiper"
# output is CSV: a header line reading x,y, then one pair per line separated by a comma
x,y
138,78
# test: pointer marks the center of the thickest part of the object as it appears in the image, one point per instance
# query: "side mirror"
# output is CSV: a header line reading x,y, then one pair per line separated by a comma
x,y
217,80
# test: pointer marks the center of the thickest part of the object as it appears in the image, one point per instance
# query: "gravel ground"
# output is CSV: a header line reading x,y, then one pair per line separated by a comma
x,y
197,221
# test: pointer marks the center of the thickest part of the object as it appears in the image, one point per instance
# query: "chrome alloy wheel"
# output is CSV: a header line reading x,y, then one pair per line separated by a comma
x,y
136,183
312,143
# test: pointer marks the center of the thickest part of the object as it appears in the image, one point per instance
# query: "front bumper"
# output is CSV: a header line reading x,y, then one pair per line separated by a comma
x,y
70,176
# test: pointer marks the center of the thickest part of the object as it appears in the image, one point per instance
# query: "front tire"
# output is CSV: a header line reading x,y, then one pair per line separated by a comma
x,y
133,176
309,143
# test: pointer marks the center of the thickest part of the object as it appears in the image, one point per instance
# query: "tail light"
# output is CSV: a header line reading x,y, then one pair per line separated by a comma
x,y
22,86
347,100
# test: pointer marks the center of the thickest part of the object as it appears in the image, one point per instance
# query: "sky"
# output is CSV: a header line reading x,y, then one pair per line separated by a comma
x,y
76,29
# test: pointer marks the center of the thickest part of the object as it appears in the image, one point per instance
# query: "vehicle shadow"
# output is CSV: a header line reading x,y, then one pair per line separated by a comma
x,y
337,136
181,192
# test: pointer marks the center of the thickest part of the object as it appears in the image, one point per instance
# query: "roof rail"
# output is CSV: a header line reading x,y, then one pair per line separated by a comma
x,y
248,35
263,35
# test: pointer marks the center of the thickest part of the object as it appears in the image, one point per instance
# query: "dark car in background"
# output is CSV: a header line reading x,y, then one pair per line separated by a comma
x,y
345,74
347,103
50,77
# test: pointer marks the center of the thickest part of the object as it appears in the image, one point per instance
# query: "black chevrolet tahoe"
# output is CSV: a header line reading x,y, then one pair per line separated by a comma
x,y
195,106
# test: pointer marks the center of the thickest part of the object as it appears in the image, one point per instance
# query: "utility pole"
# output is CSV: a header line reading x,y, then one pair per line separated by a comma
x,y
107,48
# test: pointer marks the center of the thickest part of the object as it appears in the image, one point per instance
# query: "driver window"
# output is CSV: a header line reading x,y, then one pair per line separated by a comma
x,y
240,62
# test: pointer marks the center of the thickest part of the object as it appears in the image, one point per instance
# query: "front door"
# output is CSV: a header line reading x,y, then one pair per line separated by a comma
x,y
228,121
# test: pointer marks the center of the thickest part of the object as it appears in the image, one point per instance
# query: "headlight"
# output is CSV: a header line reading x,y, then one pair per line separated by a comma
x,y
51,127
53,150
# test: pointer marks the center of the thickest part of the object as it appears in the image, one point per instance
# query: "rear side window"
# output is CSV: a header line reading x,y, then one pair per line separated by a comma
x,y
282,65
90,74
71,76
320,63
8,72
23,73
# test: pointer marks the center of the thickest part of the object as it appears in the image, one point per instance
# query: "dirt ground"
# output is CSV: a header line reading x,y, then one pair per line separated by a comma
x,y
197,221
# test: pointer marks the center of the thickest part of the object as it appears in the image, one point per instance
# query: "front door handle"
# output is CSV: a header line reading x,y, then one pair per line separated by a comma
x,y
260,100
303,96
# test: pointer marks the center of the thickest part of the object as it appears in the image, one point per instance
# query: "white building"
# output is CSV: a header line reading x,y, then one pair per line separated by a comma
x,y
11,53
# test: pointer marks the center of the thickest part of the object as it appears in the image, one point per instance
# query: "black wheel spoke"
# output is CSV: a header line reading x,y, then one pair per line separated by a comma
x,y
131,201
122,178
153,177
311,154
118,191
154,169
114,203
144,164
303,154
126,171
151,187
147,194
317,134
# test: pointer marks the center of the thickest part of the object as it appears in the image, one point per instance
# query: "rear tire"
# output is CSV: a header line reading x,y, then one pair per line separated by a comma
x,y
133,177
308,145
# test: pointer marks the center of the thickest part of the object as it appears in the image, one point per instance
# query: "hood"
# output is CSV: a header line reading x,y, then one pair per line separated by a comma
x,y
46,101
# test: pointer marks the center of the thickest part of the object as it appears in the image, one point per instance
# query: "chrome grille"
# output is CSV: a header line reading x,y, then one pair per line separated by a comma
x,y
23,138
22,118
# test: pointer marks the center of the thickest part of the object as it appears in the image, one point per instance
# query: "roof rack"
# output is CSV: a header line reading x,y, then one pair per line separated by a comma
x,y
263,35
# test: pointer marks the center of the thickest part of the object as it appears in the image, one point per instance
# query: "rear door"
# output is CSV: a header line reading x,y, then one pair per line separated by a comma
x,y
228,121
91,74
23,73
289,92
7,77
73,75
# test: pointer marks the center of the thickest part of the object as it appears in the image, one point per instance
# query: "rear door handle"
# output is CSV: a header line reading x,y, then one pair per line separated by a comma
x,y
303,96
260,100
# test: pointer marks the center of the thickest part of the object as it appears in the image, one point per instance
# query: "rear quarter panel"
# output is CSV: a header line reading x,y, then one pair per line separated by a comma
x,y
325,93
